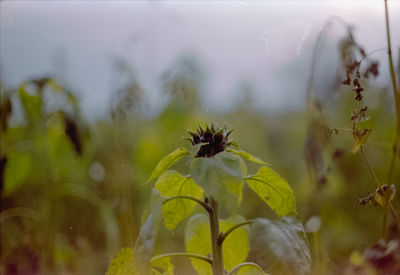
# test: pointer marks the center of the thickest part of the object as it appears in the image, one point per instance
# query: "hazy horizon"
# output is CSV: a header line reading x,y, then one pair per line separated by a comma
x,y
264,45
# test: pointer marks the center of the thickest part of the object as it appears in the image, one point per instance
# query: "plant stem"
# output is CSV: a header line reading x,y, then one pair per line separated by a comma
x,y
202,203
318,262
384,220
229,231
395,215
392,74
196,256
239,266
369,166
395,151
216,253
398,66
385,208
395,94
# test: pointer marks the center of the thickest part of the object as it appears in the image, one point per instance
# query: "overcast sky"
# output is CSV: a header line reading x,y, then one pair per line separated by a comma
x,y
263,43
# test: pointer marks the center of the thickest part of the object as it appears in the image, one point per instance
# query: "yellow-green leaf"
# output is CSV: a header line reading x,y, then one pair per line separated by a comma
x,y
273,190
171,183
197,240
247,156
236,245
166,162
162,266
122,263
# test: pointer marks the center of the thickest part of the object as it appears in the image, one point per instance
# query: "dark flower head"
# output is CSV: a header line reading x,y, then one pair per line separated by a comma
x,y
213,140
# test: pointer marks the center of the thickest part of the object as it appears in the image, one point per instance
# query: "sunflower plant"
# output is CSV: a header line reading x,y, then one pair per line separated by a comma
x,y
218,173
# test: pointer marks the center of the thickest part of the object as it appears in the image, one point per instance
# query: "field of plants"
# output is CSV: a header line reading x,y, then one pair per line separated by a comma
x,y
190,191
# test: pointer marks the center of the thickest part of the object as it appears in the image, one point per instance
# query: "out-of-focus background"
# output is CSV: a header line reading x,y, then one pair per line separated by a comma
x,y
94,94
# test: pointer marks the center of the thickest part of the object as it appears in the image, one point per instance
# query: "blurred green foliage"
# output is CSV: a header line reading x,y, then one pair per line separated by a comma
x,y
73,192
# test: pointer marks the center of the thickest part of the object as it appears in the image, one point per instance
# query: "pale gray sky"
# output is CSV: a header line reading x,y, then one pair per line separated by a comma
x,y
265,43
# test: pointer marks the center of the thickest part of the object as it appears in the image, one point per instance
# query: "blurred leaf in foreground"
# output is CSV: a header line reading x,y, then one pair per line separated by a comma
x,y
280,246
144,247
32,104
17,168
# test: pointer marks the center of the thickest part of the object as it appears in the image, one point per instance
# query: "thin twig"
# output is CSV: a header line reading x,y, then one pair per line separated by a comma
x,y
392,74
369,166
395,94
395,215
385,206
379,184
395,151
371,53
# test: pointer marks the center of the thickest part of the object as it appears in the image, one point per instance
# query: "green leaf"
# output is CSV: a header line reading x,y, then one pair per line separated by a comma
x,y
66,164
162,266
234,144
122,263
247,156
17,168
280,245
171,183
197,240
220,177
166,162
144,246
32,104
273,190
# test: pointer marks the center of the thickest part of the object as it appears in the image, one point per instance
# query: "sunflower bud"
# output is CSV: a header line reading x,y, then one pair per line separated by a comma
x,y
213,140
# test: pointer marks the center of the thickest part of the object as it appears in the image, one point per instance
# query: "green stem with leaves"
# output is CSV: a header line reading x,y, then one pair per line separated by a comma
x,y
217,237
216,247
